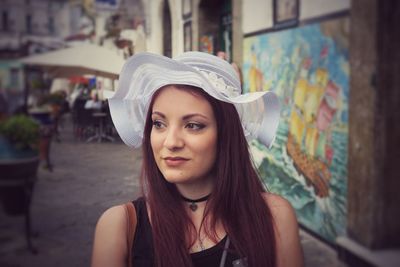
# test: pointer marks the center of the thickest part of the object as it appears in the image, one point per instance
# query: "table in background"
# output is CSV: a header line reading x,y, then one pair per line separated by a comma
x,y
100,135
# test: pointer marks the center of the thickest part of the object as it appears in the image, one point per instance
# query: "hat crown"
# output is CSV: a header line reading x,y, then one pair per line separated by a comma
x,y
220,84
217,71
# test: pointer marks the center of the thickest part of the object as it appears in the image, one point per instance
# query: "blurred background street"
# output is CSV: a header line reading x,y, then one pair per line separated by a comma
x,y
87,178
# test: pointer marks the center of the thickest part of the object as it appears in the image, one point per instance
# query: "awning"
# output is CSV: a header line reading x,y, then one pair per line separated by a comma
x,y
78,61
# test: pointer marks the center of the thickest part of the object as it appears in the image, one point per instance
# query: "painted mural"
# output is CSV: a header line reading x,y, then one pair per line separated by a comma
x,y
308,68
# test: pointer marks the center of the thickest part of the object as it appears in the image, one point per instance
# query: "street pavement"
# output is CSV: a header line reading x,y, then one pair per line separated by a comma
x,y
87,179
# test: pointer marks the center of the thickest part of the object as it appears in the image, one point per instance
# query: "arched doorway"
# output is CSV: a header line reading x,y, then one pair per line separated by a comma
x,y
167,32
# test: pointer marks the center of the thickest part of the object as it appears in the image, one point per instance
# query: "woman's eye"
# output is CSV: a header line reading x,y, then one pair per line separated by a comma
x,y
157,124
195,126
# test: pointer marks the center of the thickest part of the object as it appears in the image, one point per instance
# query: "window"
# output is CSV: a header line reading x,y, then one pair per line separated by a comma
x,y
14,78
4,21
28,23
51,25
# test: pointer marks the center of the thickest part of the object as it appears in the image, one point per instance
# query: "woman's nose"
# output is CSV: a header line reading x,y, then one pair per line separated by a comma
x,y
174,139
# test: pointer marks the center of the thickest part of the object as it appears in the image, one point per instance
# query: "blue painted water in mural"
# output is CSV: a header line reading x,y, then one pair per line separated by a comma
x,y
326,216
309,70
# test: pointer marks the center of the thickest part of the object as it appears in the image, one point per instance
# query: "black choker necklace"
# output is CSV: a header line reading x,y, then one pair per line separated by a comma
x,y
193,205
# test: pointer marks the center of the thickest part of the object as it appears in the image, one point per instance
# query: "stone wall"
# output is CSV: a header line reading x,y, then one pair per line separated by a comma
x,y
374,128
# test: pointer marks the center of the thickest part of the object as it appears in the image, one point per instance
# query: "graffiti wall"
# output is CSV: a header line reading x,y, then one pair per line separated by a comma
x,y
308,68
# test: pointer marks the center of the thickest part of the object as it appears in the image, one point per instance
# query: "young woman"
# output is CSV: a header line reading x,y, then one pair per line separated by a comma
x,y
203,203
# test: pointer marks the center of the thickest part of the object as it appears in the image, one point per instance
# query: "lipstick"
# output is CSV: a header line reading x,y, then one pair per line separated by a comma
x,y
175,161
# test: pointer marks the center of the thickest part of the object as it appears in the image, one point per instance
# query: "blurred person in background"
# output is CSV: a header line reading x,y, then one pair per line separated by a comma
x,y
3,103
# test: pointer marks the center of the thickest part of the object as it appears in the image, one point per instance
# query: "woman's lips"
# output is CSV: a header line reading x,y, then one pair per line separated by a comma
x,y
174,161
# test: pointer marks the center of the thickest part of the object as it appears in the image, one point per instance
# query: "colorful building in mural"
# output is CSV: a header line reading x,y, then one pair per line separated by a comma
x,y
309,70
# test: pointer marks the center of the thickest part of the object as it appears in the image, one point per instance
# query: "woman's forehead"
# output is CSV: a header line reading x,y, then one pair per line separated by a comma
x,y
183,100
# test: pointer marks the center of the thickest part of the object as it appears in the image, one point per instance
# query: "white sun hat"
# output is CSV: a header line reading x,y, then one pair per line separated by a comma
x,y
145,73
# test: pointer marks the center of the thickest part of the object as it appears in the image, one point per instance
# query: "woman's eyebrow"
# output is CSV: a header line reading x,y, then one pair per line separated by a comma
x,y
186,117
158,113
189,116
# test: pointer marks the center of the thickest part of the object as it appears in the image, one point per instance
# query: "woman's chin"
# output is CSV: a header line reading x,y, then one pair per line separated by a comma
x,y
181,177
178,180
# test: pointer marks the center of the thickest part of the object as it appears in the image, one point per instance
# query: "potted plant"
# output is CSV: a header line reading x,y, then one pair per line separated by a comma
x,y
19,140
19,136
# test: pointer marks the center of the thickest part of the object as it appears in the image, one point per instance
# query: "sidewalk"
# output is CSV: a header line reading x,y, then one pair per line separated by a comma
x,y
87,179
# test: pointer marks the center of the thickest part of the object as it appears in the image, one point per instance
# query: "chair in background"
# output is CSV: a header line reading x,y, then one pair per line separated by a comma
x,y
83,121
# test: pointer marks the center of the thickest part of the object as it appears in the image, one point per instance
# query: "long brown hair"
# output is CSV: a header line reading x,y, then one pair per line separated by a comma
x,y
236,200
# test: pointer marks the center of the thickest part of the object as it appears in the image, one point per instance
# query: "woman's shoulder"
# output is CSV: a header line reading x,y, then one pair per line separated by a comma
x,y
117,214
276,202
289,251
114,215
282,211
110,238
112,223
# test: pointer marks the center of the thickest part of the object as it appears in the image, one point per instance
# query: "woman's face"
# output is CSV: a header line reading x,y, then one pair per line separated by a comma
x,y
183,136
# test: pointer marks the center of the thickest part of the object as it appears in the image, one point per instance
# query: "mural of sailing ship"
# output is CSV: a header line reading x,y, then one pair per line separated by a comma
x,y
309,136
308,68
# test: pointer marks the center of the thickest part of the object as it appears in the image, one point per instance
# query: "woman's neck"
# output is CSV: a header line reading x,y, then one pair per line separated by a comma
x,y
195,195
196,190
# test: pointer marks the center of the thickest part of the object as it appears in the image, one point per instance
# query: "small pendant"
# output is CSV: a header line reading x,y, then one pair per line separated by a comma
x,y
240,263
193,206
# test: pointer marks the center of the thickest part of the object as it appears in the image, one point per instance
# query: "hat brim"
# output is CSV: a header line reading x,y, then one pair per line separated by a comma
x,y
145,73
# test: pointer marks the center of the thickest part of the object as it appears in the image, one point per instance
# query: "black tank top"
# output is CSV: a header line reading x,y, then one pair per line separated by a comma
x,y
143,251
